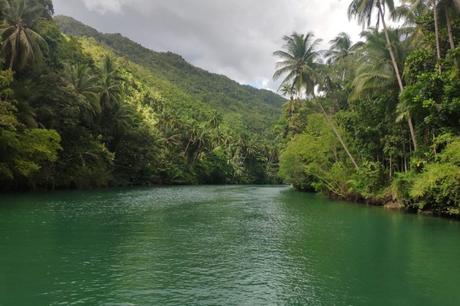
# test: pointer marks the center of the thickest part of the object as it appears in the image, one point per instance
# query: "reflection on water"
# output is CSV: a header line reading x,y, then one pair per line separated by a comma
x,y
229,245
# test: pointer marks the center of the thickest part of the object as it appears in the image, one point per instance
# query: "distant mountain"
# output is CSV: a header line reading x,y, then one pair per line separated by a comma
x,y
259,109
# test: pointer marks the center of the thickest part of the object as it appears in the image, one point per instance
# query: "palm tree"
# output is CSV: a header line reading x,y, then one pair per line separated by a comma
x,y
409,13
375,74
291,106
436,31
364,10
301,68
47,8
20,44
449,7
340,49
85,84
338,55
111,83
288,90
298,62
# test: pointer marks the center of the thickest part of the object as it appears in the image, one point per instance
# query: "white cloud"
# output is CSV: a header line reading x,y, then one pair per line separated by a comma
x,y
104,6
231,37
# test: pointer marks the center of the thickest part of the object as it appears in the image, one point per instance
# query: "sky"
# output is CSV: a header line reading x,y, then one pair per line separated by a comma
x,y
235,38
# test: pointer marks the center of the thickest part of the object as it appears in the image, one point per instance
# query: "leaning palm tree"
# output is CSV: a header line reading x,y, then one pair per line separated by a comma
x,y
364,11
374,74
20,44
301,69
298,62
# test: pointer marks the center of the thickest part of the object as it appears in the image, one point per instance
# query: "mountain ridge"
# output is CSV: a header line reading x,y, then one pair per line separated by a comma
x,y
219,91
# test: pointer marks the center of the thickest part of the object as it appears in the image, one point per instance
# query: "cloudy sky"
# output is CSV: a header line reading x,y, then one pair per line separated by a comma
x,y
231,37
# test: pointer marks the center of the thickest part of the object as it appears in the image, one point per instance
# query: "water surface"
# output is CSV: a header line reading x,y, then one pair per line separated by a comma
x,y
229,245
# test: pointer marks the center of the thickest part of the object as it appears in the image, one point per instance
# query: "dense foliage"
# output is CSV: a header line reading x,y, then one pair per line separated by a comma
x,y
379,120
375,121
261,107
95,111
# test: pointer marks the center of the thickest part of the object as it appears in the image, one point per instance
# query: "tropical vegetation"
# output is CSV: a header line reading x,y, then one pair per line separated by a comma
x,y
85,110
377,120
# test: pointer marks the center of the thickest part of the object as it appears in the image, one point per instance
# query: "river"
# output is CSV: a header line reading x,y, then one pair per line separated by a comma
x,y
220,245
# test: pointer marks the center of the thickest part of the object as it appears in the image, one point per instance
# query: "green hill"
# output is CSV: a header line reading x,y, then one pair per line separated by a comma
x,y
259,108
95,110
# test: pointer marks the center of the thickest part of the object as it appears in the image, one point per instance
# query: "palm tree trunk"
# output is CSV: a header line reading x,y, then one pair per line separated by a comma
x,y
412,131
390,49
398,76
12,60
436,30
337,134
449,28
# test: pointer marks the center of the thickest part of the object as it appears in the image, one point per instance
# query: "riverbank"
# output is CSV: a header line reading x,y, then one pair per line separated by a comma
x,y
390,202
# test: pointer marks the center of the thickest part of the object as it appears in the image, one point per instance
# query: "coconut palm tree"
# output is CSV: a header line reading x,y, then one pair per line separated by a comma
x,y
450,7
340,49
364,11
375,73
409,12
300,65
338,58
298,62
20,43
288,90
48,8
434,4
86,85
111,83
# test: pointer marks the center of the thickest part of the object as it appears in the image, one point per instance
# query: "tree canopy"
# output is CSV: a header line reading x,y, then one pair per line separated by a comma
x,y
366,91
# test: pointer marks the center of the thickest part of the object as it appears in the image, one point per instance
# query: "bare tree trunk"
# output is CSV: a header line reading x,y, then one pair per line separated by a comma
x,y
398,75
412,131
449,28
436,31
336,132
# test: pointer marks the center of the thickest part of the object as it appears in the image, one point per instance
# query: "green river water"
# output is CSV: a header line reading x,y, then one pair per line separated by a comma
x,y
220,245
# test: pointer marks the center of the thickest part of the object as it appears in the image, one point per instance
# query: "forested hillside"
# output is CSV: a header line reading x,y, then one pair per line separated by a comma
x,y
85,112
259,108
378,120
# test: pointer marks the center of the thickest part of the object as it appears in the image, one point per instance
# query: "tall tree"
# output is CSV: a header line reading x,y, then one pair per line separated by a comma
x,y
409,13
299,64
86,85
288,90
364,11
20,43
340,48
434,5
374,73
111,83
449,7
